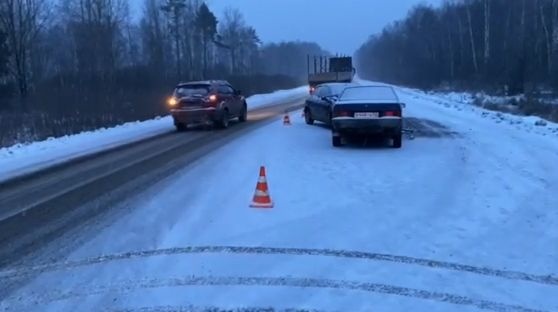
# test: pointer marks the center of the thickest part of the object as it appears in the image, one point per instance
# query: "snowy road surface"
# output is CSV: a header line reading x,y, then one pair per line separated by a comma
x,y
21,159
462,218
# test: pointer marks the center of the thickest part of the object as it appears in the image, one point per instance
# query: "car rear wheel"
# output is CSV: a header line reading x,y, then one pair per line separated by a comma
x,y
181,127
243,114
308,117
397,140
336,140
223,123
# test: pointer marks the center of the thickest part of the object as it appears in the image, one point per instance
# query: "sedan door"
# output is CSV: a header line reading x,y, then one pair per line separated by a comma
x,y
313,104
323,106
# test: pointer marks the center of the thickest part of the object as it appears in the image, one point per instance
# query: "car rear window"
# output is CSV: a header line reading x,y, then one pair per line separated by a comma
x,y
337,89
192,90
374,93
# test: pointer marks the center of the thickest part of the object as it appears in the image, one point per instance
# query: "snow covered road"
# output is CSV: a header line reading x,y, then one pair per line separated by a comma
x,y
462,218
22,159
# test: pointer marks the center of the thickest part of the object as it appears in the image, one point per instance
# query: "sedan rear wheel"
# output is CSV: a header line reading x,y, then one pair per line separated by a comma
x,y
336,140
397,140
308,117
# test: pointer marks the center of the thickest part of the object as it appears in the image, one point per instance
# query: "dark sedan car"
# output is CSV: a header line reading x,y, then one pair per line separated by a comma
x,y
209,102
367,110
318,106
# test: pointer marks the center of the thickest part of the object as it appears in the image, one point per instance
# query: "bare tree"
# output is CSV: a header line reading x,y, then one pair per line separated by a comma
x,y
230,33
465,38
472,40
22,20
154,34
174,10
548,29
3,54
206,23
97,27
486,31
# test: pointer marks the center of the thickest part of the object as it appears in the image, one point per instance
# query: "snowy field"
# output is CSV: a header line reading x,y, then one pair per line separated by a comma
x,y
464,100
462,221
21,159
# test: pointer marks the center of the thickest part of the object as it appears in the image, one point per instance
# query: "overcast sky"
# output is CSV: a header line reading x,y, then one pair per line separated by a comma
x,y
339,26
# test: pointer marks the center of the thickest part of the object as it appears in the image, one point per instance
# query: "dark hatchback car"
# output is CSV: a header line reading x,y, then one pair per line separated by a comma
x,y
213,102
368,110
318,106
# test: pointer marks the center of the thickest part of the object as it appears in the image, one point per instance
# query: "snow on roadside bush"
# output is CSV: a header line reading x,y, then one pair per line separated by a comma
x,y
518,104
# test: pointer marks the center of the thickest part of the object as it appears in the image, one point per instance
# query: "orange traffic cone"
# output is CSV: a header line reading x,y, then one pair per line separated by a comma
x,y
261,196
287,120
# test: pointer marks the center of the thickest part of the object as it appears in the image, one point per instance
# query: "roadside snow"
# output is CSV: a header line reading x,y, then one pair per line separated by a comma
x,y
21,159
280,95
462,104
482,197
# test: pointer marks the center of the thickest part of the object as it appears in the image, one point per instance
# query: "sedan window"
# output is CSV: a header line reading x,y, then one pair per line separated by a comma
x,y
376,93
337,89
323,91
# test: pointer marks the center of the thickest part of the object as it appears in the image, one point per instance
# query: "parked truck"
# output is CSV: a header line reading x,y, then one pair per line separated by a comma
x,y
324,69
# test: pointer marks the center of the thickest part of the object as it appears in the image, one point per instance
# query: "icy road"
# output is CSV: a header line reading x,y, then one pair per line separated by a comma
x,y
463,218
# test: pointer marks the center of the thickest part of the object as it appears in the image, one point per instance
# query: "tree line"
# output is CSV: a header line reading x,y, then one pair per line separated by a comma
x,y
507,46
73,65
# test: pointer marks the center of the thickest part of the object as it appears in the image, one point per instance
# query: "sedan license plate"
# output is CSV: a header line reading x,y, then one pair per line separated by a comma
x,y
367,115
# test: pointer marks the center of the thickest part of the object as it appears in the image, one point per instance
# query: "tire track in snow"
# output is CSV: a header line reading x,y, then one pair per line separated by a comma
x,y
451,266
127,286
421,127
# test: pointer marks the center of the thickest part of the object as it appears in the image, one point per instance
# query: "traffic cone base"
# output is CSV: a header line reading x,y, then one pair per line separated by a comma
x,y
261,196
256,205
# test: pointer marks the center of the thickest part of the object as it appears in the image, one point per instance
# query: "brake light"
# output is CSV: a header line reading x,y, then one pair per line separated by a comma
x,y
392,113
342,114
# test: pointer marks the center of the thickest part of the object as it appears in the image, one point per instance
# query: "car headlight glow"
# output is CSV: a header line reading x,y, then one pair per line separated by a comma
x,y
172,101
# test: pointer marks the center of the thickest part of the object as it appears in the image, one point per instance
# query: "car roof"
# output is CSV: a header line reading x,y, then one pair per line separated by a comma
x,y
370,97
335,84
203,82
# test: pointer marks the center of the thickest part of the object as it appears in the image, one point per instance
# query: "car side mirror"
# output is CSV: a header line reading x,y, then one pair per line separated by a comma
x,y
403,105
329,99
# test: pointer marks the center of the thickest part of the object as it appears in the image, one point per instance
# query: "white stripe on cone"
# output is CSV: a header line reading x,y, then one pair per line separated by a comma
x,y
261,193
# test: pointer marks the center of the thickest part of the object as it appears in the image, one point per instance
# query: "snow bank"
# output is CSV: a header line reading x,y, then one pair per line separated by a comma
x,y
280,95
463,101
21,159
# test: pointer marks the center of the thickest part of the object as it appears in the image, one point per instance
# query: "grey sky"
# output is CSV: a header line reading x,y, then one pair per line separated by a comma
x,y
339,26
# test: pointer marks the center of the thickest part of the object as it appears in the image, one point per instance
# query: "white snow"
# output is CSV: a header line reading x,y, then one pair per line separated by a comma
x,y
280,95
466,99
21,159
462,102
483,197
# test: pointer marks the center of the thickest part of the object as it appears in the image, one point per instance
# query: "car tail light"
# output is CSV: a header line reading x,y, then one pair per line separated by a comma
x,y
342,114
392,113
212,99
172,101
